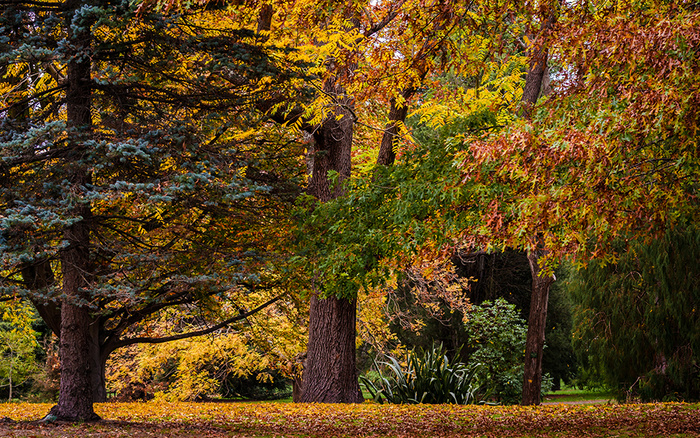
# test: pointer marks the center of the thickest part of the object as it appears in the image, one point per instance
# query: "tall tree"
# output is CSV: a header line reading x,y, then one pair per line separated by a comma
x,y
541,280
379,54
636,318
131,173
345,36
608,153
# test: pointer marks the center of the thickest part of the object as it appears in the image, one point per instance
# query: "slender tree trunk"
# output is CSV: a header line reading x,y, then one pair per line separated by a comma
x,y
534,344
75,401
537,70
97,365
390,138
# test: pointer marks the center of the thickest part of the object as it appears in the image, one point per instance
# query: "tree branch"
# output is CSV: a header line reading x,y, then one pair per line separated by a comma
x,y
154,340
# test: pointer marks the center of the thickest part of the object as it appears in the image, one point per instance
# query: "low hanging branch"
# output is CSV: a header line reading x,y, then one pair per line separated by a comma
x,y
206,331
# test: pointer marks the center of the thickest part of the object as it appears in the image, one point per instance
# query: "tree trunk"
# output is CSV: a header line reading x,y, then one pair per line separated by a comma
x,y
390,138
97,365
534,343
537,71
75,400
331,373
75,397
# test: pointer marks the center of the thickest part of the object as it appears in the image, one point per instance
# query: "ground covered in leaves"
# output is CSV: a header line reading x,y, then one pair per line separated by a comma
x,y
366,420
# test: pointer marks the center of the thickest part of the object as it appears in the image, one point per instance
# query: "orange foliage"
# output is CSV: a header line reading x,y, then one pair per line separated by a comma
x,y
360,420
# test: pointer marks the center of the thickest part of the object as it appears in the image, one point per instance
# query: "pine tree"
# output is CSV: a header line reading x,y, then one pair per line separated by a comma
x,y
133,175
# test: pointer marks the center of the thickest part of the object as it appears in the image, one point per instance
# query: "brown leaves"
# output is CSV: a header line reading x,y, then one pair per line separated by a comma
x,y
278,419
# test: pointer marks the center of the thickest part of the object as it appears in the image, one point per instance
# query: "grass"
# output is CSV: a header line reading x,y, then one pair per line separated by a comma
x,y
271,419
569,395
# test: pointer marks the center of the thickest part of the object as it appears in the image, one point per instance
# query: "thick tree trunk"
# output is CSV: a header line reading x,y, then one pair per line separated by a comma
x,y
39,276
75,400
534,344
331,373
75,397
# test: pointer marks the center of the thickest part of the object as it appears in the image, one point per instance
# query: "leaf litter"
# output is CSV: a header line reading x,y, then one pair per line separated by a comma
x,y
200,420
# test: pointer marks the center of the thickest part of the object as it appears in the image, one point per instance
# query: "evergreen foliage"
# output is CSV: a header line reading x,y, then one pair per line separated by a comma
x,y
428,377
636,319
165,168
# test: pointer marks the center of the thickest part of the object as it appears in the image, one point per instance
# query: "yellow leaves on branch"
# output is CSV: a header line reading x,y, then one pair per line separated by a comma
x,y
20,316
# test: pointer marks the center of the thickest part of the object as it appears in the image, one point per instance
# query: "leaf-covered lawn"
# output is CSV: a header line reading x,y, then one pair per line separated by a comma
x,y
204,420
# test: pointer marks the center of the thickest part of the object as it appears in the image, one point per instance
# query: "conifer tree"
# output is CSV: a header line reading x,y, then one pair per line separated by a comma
x,y
636,319
132,175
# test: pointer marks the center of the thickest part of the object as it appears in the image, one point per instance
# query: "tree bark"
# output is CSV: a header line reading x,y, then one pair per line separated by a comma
x,y
330,374
537,70
98,361
75,401
534,343
397,115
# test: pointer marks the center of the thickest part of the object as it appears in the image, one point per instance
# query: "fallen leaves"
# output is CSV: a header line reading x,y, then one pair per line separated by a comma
x,y
363,420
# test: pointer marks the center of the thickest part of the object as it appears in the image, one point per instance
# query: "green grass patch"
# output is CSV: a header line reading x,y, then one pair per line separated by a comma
x,y
570,395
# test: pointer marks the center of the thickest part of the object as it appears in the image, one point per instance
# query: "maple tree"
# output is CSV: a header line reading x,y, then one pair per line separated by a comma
x,y
611,150
132,176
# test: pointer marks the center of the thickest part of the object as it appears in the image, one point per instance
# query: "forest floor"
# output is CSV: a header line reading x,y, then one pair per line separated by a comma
x,y
203,420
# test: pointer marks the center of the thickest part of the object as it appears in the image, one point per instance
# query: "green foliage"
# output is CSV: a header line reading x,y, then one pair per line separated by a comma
x,y
428,377
18,348
497,340
636,319
355,241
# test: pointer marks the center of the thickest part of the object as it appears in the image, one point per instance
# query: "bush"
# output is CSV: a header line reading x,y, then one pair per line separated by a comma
x,y
429,377
497,339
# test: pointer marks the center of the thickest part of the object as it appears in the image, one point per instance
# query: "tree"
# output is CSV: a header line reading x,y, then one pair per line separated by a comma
x,y
18,345
132,180
377,53
346,39
608,153
636,318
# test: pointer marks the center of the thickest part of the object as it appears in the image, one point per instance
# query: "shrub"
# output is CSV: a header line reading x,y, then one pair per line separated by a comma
x,y
497,339
429,377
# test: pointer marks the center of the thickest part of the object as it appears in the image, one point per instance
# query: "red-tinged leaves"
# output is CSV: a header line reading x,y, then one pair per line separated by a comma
x,y
614,151
277,419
